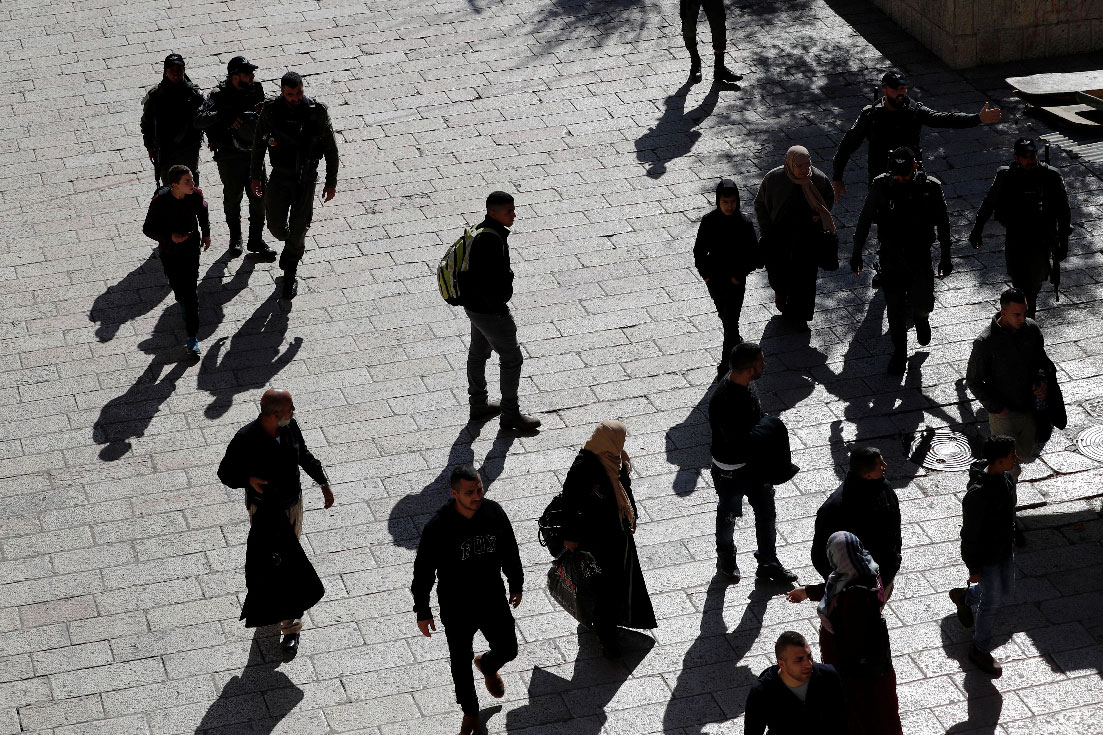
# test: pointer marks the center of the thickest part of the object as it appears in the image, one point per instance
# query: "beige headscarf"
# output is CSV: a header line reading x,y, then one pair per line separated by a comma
x,y
607,442
798,154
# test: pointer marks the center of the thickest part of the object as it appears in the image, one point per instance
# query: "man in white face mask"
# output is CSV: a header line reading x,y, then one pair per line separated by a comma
x,y
263,459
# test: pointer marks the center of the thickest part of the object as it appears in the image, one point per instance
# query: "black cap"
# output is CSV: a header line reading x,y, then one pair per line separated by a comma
x,y
174,60
240,64
893,80
1024,146
901,161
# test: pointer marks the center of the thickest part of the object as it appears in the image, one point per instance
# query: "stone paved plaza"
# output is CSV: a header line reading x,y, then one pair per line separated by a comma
x,y
121,555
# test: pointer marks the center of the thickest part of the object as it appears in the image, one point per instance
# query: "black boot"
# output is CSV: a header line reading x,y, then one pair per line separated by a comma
x,y
695,70
257,246
290,285
235,239
724,75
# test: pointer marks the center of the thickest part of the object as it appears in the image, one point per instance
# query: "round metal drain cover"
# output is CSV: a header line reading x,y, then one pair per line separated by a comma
x,y
941,449
1090,443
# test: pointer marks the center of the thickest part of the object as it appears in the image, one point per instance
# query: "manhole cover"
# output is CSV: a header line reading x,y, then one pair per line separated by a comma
x,y
941,449
1090,443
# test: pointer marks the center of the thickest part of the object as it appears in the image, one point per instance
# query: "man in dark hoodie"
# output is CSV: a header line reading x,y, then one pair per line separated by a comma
x,y
866,506
467,546
168,116
987,546
486,286
796,697
725,252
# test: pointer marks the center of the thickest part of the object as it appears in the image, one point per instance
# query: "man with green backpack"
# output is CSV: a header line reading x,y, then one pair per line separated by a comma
x,y
475,274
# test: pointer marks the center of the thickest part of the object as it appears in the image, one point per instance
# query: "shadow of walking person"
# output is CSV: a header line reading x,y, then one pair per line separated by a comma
x,y
688,446
675,133
709,665
139,293
258,699
984,701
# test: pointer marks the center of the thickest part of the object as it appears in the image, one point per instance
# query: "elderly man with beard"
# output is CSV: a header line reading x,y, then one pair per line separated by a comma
x,y
168,114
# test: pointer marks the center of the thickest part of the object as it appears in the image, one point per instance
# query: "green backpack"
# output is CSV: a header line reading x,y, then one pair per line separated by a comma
x,y
455,261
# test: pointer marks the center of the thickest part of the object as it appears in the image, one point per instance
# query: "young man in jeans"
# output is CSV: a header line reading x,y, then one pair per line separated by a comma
x,y
988,546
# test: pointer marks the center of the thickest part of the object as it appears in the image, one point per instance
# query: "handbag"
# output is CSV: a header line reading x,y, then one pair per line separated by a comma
x,y
572,582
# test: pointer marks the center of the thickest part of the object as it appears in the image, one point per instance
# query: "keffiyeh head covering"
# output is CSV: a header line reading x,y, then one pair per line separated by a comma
x,y
850,563
607,442
798,155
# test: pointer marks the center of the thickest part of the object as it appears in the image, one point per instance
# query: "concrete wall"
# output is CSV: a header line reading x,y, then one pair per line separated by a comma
x,y
966,33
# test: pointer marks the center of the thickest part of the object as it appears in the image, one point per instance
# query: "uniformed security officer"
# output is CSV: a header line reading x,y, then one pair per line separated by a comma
x,y
168,114
1030,201
296,132
894,122
230,118
908,207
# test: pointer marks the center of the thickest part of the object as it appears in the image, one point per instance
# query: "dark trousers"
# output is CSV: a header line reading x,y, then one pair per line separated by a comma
x,y
907,294
494,333
181,264
728,299
495,622
236,181
1027,260
689,10
167,158
289,208
730,489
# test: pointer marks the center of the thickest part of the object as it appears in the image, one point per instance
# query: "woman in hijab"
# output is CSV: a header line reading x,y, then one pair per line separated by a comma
x,y
601,519
853,635
793,211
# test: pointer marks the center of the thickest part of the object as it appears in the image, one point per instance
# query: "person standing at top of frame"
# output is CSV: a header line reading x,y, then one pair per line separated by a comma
x,y
168,114
895,121
689,10
296,132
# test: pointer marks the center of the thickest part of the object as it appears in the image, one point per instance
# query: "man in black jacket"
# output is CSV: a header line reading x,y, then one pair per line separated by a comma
x,y
988,546
893,122
725,253
263,459
486,286
180,223
168,114
866,506
467,546
737,471
230,118
797,696
1030,201
909,209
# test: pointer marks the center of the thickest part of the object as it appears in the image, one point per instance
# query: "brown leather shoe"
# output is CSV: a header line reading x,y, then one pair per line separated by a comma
x,y
470,725
494,683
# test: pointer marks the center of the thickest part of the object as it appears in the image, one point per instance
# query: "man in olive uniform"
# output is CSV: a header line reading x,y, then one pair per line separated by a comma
x,y
230,118
296,132
908,207
168,116
1030,201
893,122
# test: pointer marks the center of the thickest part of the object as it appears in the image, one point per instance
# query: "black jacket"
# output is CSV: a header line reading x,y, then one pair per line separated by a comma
x,y
870,510
726,248
734,411
253,453
888,129
772,708
168,215
223,106
1004,365
296,139
168,114
987,518
1033,203
467,557
487,285
908,216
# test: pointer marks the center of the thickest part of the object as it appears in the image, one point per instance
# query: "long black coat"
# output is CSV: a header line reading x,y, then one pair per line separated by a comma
x,y
281,580
593,520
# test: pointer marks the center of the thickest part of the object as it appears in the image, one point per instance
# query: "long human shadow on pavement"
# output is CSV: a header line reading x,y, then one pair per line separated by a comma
x,y
688,446
402,522
256,700
675,133
137,294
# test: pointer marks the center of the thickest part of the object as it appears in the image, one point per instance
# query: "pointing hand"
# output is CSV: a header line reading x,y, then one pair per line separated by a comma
x,y
989,115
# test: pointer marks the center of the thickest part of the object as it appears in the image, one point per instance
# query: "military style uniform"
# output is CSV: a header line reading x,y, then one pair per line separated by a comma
x,y
908,215
232,151
168,130
296,139
1033,207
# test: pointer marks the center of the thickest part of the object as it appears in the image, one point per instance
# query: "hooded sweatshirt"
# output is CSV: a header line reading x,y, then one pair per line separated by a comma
x,y
870,510
467,556
726,245
773,708
987,518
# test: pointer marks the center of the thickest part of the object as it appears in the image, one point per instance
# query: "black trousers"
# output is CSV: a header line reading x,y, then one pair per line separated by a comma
x,y
495,621
289,208
234,173
731,487
1027,259
908,293
728,299
181,264
714,12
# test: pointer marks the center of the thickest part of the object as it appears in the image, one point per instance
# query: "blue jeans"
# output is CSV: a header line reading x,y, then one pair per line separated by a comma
x,y
997,582
730,489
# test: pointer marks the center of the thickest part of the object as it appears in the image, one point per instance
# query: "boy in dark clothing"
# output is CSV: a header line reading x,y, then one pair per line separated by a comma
x,y
866,506
176,216
467,546
988,546
797,696
725,252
